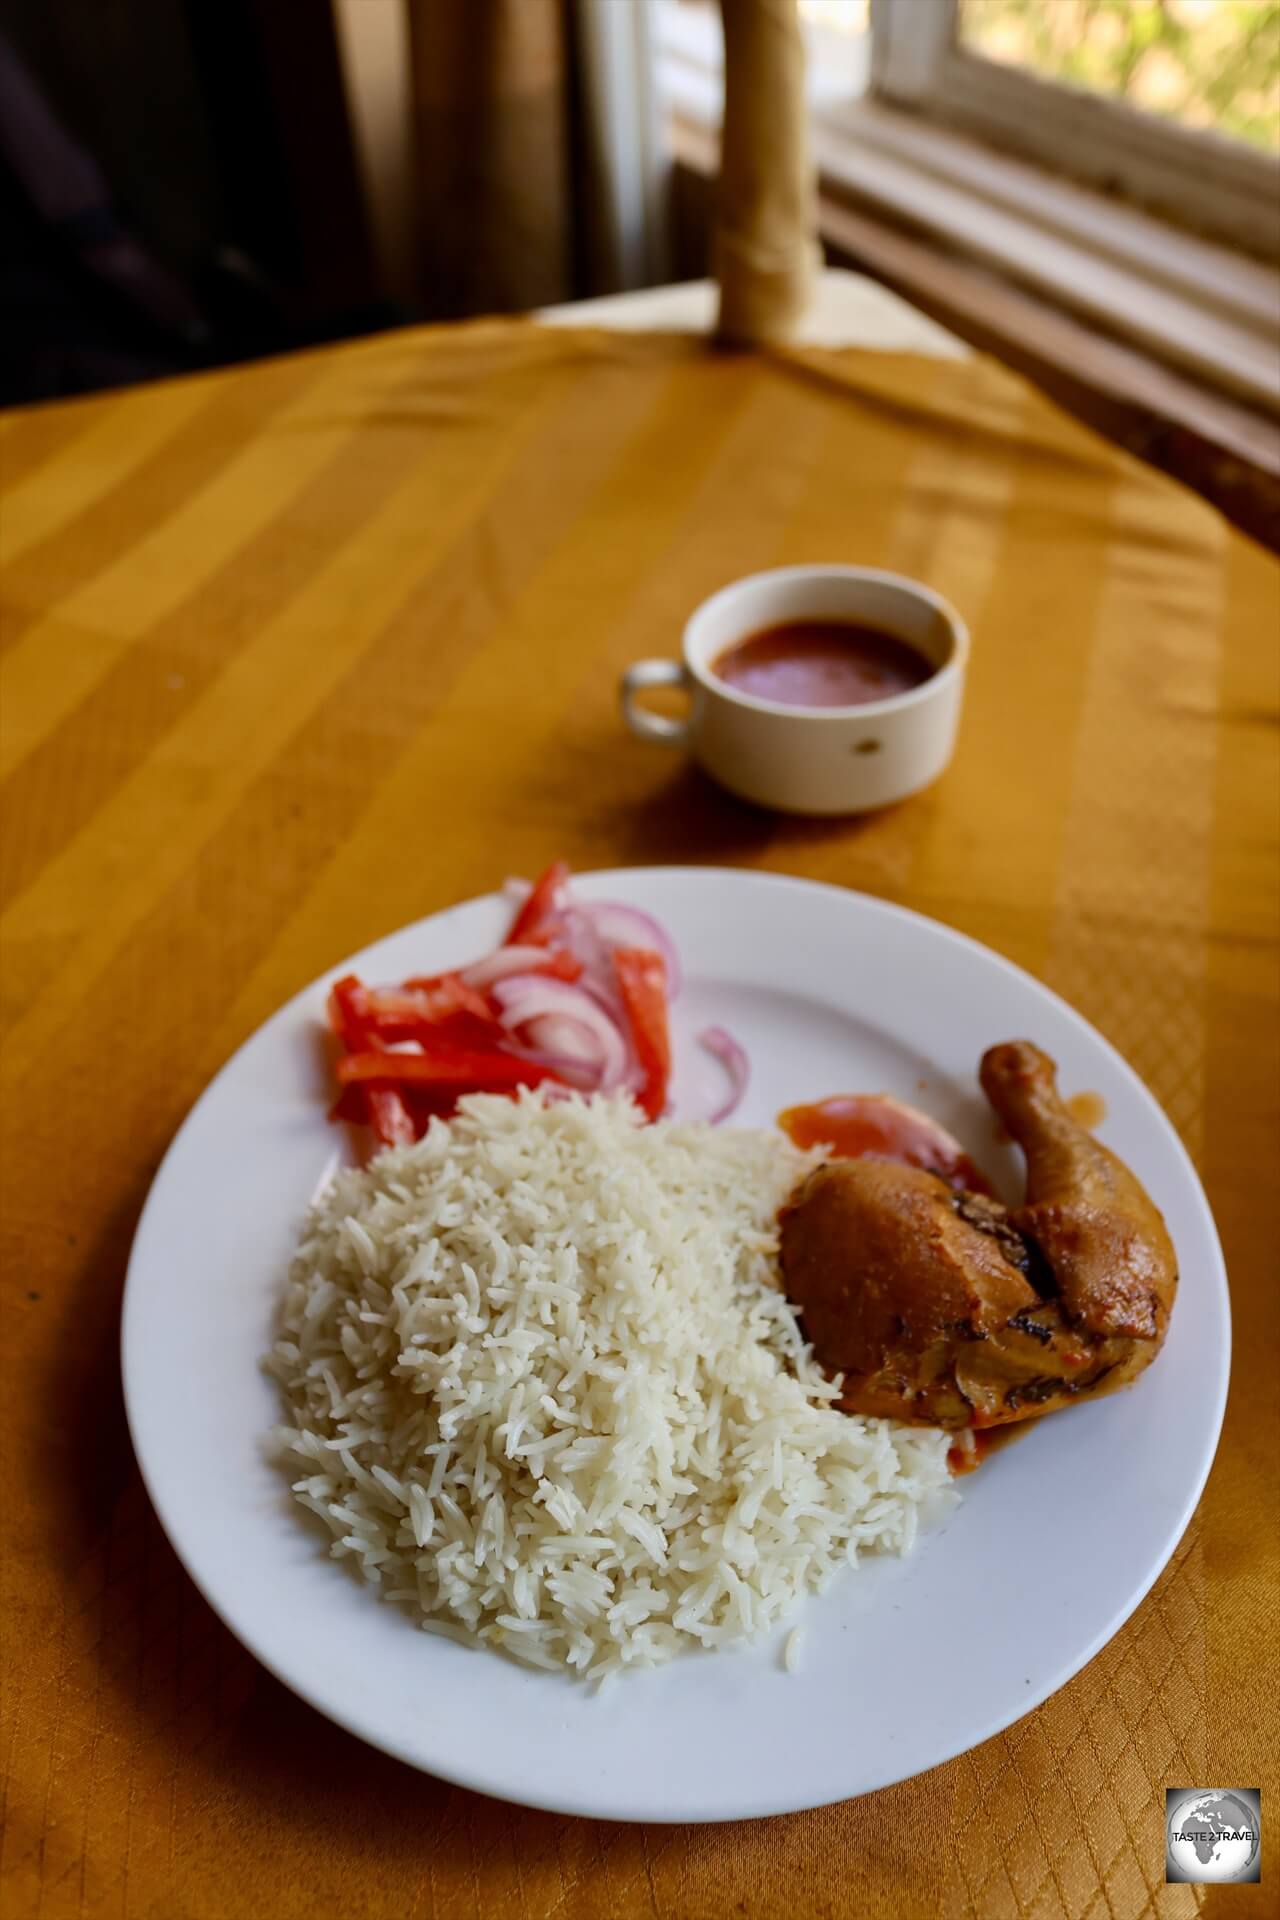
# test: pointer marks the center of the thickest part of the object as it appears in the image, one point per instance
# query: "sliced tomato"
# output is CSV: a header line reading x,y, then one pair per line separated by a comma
x,y
469,1071
352,1104
344,1009
435,994
412,1051
557,963
380,1108
389,1117
560,964
445,1008
642,983
535,923
429,1103
383,1109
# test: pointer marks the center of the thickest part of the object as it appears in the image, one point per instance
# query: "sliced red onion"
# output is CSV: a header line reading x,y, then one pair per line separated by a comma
x,y
573,1074
556,1090
496,966
558,1041
619,925
530,998
564,1036
574,930
734,1060
569,1066
515,890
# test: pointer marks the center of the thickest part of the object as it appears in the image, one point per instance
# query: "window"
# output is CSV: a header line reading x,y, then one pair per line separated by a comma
x,y
690,51
1025,139
1171,103
1212,64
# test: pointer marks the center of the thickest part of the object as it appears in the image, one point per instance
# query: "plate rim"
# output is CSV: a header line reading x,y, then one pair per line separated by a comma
x,y
770,1806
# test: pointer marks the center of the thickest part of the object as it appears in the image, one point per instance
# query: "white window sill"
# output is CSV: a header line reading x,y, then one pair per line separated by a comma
x,y
848,310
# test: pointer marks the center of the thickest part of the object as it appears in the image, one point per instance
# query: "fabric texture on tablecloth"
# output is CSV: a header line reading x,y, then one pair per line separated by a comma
x,y
294,654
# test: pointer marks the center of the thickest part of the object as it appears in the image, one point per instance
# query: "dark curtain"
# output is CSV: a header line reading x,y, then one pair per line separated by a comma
x,y
495,134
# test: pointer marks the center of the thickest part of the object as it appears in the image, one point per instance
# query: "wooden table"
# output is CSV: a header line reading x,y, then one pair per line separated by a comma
x,y
296,653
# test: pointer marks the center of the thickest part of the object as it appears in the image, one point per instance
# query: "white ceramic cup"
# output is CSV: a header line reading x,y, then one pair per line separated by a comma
x,y
811,759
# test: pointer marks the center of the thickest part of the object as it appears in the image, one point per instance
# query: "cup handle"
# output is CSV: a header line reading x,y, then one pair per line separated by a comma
x,y
655,726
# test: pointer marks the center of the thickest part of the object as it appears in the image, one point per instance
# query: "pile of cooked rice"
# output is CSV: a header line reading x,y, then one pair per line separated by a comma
x,y
545,1390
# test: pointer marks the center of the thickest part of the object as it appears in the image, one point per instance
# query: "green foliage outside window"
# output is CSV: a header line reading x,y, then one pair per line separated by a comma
x,y
1205,63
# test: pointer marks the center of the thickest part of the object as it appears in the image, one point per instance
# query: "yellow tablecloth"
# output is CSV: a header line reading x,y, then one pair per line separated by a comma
x,y
295,654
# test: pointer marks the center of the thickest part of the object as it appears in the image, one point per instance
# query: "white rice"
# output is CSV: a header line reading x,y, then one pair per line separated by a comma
x,y
544,1390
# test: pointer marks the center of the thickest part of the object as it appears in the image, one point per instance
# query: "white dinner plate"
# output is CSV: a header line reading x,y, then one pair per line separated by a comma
x,y
903,1663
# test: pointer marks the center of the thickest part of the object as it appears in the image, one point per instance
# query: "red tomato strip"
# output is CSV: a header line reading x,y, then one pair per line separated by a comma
x,y
535,918
381,1108
447,1009
412,1051
642,982
464,1072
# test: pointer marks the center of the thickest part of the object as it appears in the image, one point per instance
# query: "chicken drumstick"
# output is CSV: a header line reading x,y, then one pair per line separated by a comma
x,y
947,1307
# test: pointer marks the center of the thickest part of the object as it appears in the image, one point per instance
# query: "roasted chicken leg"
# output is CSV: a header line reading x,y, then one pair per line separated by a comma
x,y
947,1307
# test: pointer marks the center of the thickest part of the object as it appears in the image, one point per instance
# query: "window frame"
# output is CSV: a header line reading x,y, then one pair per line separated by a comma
x,y
1199,178
688,42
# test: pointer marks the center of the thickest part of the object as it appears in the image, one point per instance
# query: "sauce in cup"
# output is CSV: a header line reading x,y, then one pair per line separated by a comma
x,y
822,663
820,690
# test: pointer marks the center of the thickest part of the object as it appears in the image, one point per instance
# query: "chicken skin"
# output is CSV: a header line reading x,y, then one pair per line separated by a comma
x,y
946,1307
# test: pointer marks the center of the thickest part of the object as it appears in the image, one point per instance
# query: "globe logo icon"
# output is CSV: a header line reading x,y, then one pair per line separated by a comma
x,y
1213,1834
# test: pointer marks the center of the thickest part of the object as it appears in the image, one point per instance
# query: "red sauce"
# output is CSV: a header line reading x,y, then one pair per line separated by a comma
x,y
822,663
973,1447
858,1124
1087,1109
